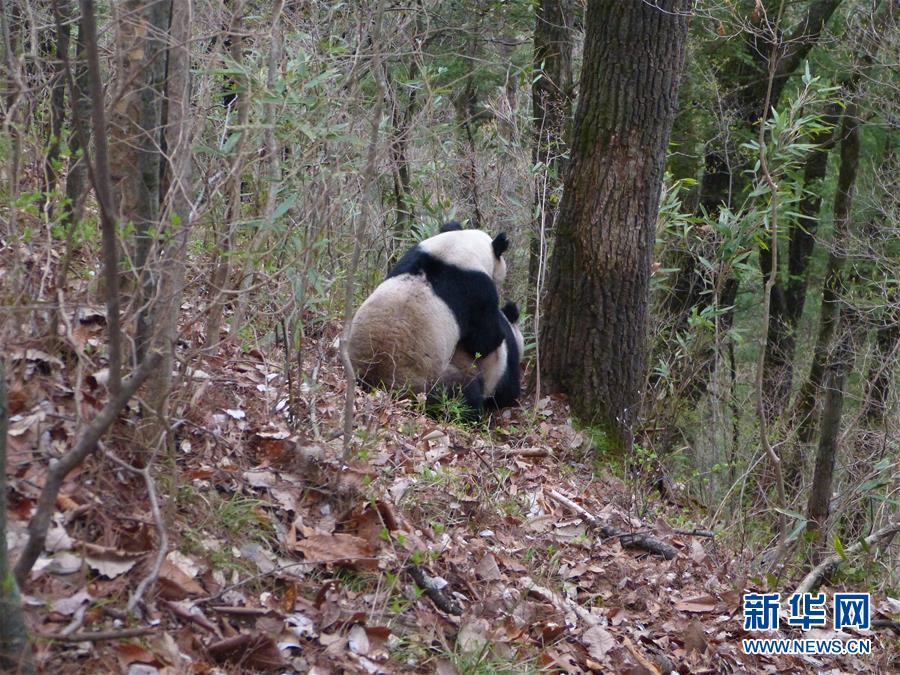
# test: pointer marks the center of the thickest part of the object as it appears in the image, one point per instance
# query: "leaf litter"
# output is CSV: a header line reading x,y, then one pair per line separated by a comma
x,y
282,558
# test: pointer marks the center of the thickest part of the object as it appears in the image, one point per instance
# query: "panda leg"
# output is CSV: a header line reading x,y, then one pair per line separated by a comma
x,y
473,395
467,387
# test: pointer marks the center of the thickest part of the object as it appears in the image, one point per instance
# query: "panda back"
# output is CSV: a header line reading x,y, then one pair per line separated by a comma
x,y
403,335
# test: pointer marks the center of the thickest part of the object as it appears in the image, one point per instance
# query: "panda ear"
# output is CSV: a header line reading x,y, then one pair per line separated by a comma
x,y
500,244
511,312
452,226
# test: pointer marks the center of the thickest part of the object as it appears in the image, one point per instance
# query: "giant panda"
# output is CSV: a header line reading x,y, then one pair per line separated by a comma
x,y
492,381
440,296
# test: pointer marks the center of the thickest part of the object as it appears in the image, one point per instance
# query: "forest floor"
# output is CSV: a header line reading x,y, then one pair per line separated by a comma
x,y
281,557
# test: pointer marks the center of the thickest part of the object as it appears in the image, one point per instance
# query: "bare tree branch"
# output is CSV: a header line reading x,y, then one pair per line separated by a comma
x,y
103,189
831,563
60,468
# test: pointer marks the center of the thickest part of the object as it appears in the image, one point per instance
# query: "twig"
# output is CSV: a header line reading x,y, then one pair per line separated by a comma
x,y
157,521
191,617
243,611
562,603
640,657
831,563
526,452
770,282
60,468
426,583
252,579
370,178
76,622
696,533
886,623
630,540
100,636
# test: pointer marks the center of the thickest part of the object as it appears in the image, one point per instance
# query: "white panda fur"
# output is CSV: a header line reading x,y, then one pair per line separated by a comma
x,y
403,335
468,250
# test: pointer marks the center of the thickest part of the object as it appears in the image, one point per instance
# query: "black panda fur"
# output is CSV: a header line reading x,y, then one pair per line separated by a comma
x,y
492,381
509,385
470,294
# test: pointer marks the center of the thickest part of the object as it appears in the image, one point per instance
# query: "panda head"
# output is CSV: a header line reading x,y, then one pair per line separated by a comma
x,y
469,250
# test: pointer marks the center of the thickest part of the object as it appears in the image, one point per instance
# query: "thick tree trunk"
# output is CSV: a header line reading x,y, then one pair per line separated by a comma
x,y
593,340
551,102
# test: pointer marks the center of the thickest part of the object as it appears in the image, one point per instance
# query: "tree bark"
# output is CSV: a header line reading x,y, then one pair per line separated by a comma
x,y
838,369
594,337
176,216
100,176
834,274
136,123
551,103
15,649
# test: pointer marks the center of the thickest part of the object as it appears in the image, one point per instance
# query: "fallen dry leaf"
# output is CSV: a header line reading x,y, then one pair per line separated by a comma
x,y
697,604
487,569
109,567
599,641
250,652
336,548
694,638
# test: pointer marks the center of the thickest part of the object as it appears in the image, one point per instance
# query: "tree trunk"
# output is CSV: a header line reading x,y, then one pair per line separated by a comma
x,y
833,286
401,119
15,649
744,83
220,284
466,114
135,155
57,111
594,341
551,102
176,213
789,296
838,369
76,179
102,180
